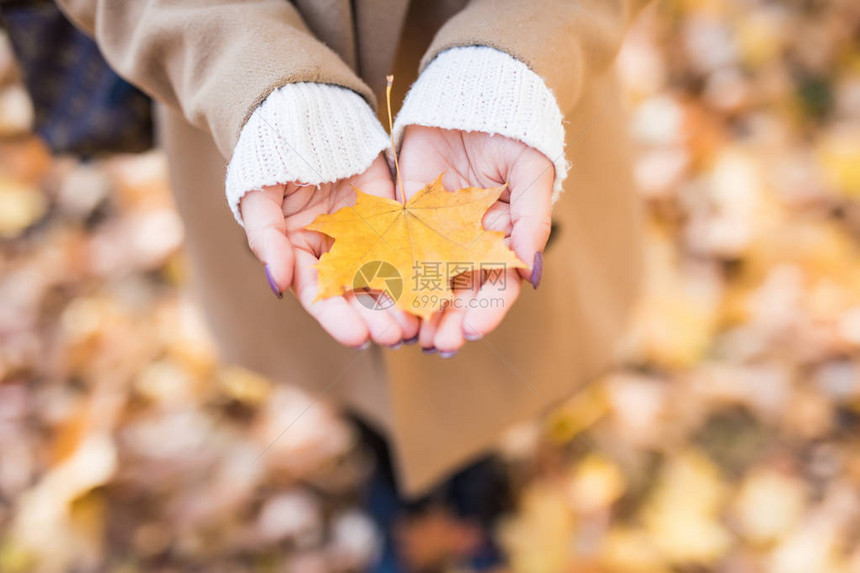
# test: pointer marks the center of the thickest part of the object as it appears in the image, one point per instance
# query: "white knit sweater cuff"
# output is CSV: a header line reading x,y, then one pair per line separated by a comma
x,y
310,133
477,88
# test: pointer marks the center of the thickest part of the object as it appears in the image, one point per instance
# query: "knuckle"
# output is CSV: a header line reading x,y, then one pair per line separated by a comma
x,y
260,239
254,244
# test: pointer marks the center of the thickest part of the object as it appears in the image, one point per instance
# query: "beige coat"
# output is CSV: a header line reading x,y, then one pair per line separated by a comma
x,y
212,61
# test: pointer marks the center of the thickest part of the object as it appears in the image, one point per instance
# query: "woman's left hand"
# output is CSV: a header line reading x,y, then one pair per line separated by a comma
x,y
523,213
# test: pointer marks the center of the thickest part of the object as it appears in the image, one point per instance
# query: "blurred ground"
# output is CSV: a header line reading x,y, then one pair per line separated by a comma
x,y
729,442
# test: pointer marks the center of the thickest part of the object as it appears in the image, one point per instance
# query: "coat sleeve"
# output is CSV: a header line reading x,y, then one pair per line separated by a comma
x,y
215,60
565,42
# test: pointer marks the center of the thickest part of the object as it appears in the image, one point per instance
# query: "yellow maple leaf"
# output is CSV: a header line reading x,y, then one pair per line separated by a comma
x,y
411,252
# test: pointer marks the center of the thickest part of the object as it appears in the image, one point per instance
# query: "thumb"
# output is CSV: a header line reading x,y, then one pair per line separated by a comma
x,y
531,214
266,230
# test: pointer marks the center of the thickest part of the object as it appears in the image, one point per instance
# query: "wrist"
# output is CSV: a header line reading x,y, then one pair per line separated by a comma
x,y
477,88
309,133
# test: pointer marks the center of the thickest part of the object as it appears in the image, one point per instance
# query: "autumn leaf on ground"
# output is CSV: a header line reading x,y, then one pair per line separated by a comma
x,y
411,252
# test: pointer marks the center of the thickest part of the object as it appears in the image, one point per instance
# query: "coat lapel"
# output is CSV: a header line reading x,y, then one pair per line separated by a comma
x,y
331,21
378,25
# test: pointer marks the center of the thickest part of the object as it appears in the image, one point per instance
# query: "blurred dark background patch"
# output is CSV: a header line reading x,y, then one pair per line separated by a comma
x,y
81,105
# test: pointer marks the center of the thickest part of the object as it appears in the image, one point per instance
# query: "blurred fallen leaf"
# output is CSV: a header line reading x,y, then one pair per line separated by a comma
x,y
682,515
20,206
628,550
595,484
839,156
539,539
768,505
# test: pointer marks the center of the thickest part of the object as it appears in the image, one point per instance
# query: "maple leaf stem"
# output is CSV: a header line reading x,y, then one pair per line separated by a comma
x,y
390,80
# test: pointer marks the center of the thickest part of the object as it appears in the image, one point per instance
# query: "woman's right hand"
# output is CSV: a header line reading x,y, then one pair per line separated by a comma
x,y
275,219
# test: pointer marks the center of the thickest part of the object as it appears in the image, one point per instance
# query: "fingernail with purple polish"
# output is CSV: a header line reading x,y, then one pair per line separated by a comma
x,y
396,346
537,270
364,345
412,340
473,336
448,354
429,350
272,284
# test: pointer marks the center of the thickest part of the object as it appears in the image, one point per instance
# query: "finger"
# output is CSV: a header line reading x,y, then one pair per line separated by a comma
x,y
498,218
384,330
335,315
531,210
489,306
409,323
428,330
449,335
266,228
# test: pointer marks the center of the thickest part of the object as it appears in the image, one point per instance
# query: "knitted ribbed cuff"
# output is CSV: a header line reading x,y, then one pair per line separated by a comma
x,y
309,133
477,88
